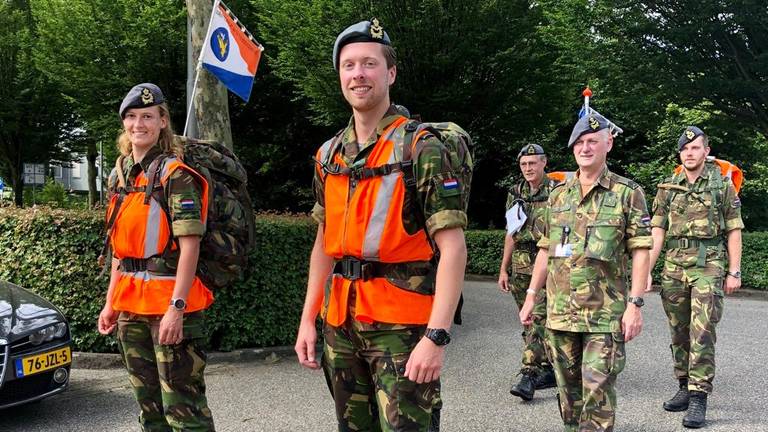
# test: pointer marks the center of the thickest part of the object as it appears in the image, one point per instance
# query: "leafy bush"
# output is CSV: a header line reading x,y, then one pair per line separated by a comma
x,y
53,252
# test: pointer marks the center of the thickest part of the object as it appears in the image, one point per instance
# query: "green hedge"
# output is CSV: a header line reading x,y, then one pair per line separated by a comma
x,y
53,252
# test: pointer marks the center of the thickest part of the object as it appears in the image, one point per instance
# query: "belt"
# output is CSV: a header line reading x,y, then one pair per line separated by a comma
x,y
692,242
352,268
152,264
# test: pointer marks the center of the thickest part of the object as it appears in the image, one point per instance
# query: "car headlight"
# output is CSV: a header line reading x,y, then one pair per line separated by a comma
x,y
48,334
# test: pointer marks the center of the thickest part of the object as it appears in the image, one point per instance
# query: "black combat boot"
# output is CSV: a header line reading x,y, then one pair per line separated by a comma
x,y
679,401
526,386
546,379
697,410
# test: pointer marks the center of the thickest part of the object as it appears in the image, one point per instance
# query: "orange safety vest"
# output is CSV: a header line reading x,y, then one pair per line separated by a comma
x,y
142,231
368,225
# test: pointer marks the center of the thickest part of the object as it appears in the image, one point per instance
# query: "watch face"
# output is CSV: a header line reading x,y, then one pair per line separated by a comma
x,y
439,336
179,304
638,301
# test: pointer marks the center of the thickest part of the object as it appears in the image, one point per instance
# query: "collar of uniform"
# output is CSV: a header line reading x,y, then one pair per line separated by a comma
x,y
350,138
525,189
602,180
133,169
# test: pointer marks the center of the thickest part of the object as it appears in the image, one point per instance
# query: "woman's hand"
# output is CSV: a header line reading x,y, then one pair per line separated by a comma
x,y
171,327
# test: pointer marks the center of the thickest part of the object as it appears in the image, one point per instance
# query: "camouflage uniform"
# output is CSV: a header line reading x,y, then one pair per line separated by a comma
x,y
523,256
588,241
699,214
167,380
365,362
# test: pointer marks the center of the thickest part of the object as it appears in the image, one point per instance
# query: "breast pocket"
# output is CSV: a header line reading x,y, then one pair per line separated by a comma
x,y
603,238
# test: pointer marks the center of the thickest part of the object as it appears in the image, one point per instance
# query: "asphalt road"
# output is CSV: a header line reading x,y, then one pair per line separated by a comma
x,y
277,395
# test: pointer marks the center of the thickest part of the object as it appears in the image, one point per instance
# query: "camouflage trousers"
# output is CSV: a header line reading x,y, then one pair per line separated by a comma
x,y
534,336
586,366
693,301
167,380
366,375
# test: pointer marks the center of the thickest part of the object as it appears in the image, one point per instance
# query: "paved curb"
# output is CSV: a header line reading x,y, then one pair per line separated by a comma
x,y
86,360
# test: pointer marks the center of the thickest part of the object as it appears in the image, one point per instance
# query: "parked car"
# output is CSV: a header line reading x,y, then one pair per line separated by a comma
x,y
35,347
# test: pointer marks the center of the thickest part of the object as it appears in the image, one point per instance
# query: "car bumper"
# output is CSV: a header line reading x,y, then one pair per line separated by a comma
x,y
17,391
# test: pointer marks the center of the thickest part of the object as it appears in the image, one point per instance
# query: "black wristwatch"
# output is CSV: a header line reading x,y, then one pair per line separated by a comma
x,y
736,274
637,301
179,304
440,337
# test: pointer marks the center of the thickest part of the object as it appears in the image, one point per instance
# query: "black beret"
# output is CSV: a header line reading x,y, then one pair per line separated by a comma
x,y
592,122
141,96
530,150
689,134
364,31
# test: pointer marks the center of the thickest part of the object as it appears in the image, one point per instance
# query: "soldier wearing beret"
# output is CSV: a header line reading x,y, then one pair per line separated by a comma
x,y
386,306
155,300
593,224
529,197
698,213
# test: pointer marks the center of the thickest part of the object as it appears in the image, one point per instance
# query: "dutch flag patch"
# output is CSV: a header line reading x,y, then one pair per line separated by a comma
x,y
450,184
187,204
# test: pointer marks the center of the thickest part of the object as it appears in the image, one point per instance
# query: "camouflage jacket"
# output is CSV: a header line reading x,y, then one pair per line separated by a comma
x,y
441,208
706,209
187,219
534,205
589,240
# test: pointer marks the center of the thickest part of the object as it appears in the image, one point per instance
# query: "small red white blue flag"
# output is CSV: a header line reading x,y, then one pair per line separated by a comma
x,y
187,204
450,184
231,53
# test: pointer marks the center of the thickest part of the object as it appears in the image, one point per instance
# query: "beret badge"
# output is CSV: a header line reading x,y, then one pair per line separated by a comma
x,y
147,97
531,150
689,134
593,123
377,32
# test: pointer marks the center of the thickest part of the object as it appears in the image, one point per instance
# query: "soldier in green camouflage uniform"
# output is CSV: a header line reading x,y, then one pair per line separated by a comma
x,y
167,376
699,214
594,222
370,366
530,194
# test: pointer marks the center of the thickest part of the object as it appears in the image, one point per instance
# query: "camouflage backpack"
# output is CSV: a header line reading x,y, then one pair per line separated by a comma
x,y
229,234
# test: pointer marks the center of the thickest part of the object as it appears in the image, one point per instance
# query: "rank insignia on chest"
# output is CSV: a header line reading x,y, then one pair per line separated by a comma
x,y
187,204
449,184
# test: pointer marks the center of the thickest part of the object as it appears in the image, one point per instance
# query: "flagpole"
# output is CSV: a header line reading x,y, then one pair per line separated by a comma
x,y
200,65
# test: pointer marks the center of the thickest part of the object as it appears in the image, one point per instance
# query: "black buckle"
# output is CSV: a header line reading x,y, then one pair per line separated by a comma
x,y
353,269
684,243
408,175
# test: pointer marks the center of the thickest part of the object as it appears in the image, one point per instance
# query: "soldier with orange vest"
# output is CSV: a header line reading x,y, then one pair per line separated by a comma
x,y
387,306
154,298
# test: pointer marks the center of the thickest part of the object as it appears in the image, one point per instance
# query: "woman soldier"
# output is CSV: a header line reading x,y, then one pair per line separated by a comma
x,y
156,217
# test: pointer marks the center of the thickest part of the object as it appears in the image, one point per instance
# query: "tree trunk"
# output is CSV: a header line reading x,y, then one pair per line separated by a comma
x,y
211,104
91,155
17,178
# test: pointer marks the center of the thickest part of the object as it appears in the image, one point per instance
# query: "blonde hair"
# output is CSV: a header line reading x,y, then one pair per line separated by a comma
x,y
166,140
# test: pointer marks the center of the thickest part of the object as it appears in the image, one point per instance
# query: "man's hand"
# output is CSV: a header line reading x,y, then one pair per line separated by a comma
x,y
425,362
107,319
731,284
171,327
631,322
504,281
526,312
306,341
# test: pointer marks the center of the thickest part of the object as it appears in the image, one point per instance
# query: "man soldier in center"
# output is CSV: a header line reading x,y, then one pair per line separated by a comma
x,y
594,223
387,307
528,197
